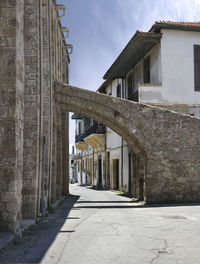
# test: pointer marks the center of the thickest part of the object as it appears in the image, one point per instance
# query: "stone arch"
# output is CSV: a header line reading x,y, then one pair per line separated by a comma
x,y
93,104
158,135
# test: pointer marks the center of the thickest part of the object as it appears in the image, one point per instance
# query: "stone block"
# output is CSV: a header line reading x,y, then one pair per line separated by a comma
x,y
11,22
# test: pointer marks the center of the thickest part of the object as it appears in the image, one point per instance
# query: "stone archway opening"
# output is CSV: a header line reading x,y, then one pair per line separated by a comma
x,y
100,164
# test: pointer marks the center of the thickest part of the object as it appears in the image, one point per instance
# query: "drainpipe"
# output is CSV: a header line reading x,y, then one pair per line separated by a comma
x,y
122,163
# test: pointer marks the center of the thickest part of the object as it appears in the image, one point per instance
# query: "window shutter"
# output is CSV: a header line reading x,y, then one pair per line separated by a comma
x,y
119,90
130,84
197,67
146,66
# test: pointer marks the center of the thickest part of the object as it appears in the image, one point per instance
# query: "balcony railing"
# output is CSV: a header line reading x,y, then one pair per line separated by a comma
x,y
79,138
96,128
155,90
133,97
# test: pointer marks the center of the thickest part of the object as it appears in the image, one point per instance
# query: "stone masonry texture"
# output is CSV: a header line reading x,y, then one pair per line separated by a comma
x,y
33,56
166,142
34,101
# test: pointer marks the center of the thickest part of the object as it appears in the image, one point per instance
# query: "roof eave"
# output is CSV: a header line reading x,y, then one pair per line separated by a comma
x,y
140,38
158,26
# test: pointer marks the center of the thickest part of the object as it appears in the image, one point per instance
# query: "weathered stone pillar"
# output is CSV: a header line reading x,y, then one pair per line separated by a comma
x,y
65,154
11,112
32,108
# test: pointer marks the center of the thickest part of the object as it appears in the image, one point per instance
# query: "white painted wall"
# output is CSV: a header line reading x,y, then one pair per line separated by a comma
x,y
113,140
178,66
149,93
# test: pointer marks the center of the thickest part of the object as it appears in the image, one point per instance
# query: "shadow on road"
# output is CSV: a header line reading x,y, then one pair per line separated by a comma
x,y
32,247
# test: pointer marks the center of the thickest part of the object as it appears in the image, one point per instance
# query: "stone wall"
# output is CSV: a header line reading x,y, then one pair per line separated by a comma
x,y
33,56
44,66
193,110
11,112
166,143
32,109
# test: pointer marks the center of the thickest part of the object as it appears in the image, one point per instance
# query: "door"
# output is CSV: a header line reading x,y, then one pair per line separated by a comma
x,y
129,174
108,170
100,172
116,174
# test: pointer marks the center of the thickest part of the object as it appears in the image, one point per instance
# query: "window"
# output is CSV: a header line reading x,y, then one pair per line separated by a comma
x,y
197,68
130,84
87,122
146,68
119,90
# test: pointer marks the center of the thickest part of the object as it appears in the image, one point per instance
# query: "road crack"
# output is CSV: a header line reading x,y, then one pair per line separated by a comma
x,y
164,250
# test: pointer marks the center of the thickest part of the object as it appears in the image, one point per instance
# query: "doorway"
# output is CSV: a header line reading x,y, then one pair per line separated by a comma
x,y
129,174
116,174
100,172
91,171
141,189
108,170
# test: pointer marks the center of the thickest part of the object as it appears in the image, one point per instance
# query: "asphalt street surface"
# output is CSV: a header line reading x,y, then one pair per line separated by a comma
x,y
98,226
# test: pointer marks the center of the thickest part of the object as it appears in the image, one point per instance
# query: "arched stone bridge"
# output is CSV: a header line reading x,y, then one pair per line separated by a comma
x,y
167,142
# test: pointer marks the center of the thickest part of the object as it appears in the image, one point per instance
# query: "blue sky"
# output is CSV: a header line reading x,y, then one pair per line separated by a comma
x,y
99,30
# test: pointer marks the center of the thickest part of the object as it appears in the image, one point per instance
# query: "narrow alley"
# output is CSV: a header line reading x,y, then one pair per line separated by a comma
x,y
99,226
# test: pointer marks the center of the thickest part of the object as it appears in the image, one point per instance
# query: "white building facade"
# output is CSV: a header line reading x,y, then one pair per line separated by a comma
x,y
159,67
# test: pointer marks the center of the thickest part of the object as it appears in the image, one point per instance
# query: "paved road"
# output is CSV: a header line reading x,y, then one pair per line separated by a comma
x,y
102,227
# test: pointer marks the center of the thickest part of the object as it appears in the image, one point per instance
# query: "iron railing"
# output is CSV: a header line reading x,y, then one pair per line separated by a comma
x,y
96,128
79,138
134,97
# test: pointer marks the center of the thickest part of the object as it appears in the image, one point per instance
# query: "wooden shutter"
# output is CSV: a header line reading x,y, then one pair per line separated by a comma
x,y
130,84
119,90
197,67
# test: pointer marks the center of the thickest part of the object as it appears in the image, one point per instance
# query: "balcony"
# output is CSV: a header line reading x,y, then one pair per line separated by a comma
x,y
79,138
96,128
95,136
79,142
150,93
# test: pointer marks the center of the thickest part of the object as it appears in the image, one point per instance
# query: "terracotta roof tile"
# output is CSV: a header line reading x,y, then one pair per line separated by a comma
x,y
174,23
